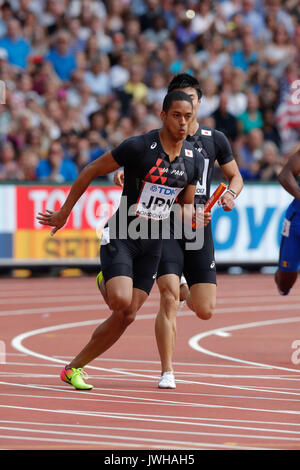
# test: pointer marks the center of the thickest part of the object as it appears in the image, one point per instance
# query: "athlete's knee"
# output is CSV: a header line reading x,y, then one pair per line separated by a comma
x,y
204,310
119,302
169,300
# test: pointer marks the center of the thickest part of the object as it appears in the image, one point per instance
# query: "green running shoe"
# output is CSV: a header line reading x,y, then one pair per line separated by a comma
x,y
99,279
75,377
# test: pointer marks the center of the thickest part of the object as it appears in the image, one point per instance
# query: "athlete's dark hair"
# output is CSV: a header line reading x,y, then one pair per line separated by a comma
x,y
176,95
184,80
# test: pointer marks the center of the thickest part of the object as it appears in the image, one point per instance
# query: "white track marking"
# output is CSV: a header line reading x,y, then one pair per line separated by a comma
x,y
194,341
290,434
209,425
17,344
147,439
151,401
183,313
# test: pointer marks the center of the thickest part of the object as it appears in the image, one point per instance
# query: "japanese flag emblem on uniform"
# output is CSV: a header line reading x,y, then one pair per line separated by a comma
x,y
205,132
188,153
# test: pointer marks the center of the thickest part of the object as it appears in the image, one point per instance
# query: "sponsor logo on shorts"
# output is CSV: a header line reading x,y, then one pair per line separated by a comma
x,y
212,264
153,145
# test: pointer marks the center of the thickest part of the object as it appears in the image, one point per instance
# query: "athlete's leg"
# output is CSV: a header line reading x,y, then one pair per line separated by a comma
x,y
125,302
201,299
184,289
289,255
165,323
285,280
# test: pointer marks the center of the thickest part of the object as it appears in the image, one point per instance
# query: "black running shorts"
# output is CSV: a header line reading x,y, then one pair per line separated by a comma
x,y
198,266
137,259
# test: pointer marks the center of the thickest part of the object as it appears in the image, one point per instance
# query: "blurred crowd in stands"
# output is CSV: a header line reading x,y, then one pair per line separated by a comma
x,y
80,76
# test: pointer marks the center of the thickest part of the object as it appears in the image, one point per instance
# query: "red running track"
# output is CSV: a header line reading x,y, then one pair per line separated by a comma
x,y
238,376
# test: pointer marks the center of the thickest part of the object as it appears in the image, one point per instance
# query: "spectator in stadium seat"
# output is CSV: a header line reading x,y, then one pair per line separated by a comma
x,y
135,85
251,118
280,52
237,98
63,62
56,167
270,163
8,162
224,121
252,17
18,49
251,150
247,54
269,128
210,100
97,77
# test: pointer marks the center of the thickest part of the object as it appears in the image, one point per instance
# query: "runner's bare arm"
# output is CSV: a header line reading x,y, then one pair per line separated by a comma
x,y
235,184
99,167
287,177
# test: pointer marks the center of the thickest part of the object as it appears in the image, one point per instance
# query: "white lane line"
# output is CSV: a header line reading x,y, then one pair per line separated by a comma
x,y
147,439
183,313
162,444
148,402
128,399
175,422
65,308
194,341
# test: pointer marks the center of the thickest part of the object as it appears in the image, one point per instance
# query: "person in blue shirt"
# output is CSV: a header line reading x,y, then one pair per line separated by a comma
x,y
64,63
289,256
247,55
18,49
56,167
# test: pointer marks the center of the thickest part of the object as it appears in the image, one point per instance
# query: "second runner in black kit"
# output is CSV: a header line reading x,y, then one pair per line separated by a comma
x,y
198,265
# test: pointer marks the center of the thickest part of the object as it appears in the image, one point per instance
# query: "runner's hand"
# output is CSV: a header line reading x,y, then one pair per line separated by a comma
x,y
55,219
119,178
227,202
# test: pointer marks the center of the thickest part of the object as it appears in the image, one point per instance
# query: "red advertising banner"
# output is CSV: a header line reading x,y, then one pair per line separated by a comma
x,y
95,206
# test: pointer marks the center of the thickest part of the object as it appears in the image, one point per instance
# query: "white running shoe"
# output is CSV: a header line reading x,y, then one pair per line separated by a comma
x,y
167,380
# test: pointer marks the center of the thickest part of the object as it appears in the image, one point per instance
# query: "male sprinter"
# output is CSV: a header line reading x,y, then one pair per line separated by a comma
x,y
289,257
198,266
129,265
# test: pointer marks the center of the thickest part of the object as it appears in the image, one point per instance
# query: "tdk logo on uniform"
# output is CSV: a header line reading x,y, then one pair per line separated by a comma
x,y
188,153
162,190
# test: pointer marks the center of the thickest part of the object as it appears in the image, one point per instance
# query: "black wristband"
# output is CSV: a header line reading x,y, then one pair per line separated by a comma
x,y
233,193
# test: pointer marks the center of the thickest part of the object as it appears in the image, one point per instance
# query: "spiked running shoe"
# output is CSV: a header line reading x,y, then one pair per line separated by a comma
x,y
99,279
75,377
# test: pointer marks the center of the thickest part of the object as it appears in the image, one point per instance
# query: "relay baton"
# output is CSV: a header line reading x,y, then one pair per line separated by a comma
x,y
215,196
213,199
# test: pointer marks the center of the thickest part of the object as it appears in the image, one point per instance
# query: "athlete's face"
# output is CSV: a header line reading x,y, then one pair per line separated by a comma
x,y
176,120
192,93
